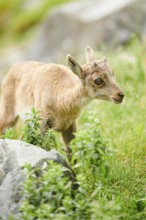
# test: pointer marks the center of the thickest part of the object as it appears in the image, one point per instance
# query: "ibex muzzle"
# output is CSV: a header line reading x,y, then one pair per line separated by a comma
x,y
57,92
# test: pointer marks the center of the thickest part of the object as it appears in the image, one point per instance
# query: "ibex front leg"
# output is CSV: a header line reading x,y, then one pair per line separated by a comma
x,y
68,135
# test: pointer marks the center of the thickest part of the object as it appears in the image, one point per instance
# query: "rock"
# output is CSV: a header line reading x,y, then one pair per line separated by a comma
x,y
14,154
69,28
10,196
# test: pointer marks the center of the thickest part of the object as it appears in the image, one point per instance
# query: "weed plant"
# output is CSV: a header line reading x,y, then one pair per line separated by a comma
x,y
33,135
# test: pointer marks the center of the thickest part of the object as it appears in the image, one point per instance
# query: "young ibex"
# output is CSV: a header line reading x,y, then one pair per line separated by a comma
x,y
57,92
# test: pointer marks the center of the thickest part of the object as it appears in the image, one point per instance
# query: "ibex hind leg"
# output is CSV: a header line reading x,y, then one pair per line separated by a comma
x,y
7,109
7,122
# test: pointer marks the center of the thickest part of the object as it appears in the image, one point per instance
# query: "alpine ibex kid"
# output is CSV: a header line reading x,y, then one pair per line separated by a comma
x,y
57,92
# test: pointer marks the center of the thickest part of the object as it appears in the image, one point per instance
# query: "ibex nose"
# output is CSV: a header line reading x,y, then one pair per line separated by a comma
x,y
121,94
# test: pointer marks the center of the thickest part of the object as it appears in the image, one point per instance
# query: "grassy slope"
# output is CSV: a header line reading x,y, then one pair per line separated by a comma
x,y
125,126
122,194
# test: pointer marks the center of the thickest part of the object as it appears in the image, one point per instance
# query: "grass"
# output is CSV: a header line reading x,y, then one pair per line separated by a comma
x,y
122,131
120,194
125,126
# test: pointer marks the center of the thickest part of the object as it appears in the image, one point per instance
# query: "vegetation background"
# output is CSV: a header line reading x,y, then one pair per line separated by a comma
x,y
110,146
19,17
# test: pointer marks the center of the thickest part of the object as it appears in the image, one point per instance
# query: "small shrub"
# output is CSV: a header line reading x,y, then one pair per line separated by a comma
x,y
33,135
49,139
90,149
10,134
48,194
32,132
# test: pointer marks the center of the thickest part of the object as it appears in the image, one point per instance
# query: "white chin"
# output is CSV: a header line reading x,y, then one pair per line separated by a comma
x,y
116,101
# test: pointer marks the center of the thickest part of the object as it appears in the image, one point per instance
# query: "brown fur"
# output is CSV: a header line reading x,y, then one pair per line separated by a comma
x,y
56,91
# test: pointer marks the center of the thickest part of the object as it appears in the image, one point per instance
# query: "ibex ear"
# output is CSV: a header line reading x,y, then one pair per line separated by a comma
x,y
75,66
105,59
89,53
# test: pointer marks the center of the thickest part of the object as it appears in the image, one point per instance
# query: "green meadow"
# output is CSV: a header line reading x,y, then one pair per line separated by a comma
x,y
125,128
109,150
110,144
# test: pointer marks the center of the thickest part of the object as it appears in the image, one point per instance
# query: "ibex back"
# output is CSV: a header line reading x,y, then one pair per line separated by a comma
x,y
57,92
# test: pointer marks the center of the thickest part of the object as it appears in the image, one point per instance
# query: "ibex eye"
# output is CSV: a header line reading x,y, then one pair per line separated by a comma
x,y
98,81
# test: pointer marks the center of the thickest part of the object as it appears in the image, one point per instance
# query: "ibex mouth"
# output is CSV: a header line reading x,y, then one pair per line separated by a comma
x,y
117,101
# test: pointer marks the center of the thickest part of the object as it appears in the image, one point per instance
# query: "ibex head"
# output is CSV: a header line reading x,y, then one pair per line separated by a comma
x,y
97,77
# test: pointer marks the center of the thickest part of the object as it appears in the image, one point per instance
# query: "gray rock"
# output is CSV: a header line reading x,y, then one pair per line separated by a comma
x,y
10,196
14,154
69,28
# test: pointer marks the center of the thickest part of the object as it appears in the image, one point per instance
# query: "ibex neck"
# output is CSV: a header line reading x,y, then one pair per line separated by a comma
x,y
75,98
